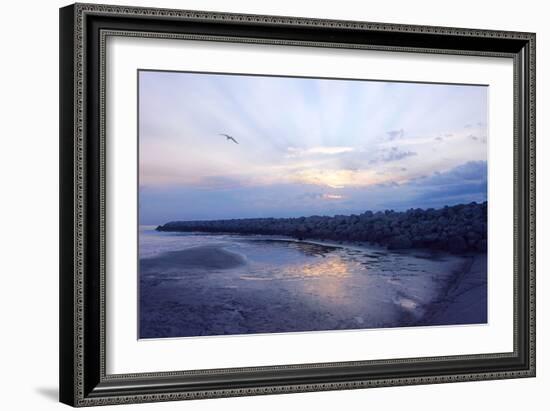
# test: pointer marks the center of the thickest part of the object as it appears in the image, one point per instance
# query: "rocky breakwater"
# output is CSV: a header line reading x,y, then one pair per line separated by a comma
x,y
457,229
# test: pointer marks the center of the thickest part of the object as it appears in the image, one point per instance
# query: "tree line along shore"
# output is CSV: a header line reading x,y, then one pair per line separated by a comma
x,y
456,229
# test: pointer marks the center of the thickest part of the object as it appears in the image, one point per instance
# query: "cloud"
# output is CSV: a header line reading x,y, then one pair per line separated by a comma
x,y
395,134
472,172
332,196
462,184
392,154
219,183
335,178
311,196
330,150
323,150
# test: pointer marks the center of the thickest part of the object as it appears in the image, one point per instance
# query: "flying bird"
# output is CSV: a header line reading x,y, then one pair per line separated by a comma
x,y
228,137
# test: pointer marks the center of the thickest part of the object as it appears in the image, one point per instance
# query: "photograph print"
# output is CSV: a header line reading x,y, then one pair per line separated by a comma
x,y
273,204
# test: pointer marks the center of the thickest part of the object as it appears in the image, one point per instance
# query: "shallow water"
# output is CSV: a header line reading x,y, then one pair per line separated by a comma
x,y
280,285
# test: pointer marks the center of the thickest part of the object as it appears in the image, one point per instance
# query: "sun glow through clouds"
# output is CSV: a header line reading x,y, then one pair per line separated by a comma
x,y
370,144
339,179
332,197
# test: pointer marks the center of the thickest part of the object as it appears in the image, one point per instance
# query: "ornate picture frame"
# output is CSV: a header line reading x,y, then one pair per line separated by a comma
x,y
84,31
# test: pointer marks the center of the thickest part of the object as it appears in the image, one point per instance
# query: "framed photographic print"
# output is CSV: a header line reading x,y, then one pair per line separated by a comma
x,y
261,204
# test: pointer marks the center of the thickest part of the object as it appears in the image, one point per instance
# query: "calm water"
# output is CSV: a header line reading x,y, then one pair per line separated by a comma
x,y
230,284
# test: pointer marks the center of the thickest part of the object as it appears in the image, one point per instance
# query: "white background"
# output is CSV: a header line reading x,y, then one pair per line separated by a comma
x,y
125,354
29,206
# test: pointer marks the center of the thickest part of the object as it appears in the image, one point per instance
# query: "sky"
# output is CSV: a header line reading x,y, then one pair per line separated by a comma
x,y
306,146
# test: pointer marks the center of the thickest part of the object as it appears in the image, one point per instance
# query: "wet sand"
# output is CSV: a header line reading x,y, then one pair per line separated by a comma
x,y
267,285
205,257
465,299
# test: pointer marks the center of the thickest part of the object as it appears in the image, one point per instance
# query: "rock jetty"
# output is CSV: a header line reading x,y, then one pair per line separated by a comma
x,y
457,229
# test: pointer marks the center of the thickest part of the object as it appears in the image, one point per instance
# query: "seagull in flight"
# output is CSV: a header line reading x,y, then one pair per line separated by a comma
x,y
228,137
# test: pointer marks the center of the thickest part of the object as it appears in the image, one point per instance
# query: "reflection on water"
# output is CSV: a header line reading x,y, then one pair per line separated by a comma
x,y
282,286
334,267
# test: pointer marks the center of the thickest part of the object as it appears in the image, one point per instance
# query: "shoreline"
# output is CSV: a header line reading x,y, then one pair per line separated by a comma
x,y
352,245
464,298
